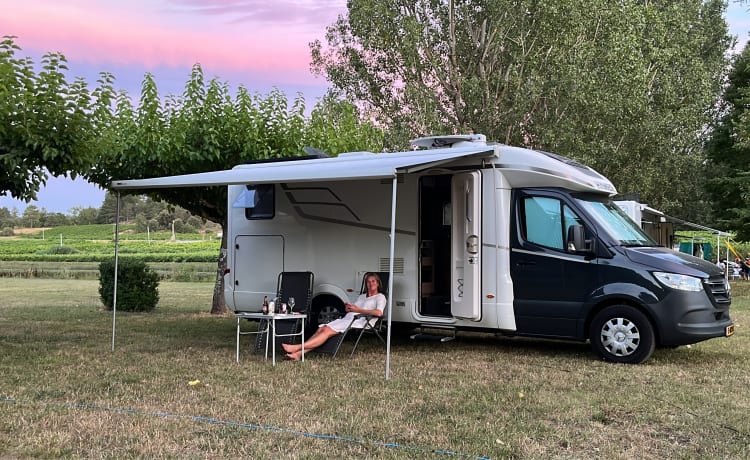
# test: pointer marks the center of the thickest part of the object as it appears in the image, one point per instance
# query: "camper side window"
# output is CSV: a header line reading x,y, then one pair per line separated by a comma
x,y
262,205
546,221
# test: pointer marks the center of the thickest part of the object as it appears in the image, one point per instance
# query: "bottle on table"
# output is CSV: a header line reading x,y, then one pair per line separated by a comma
x,y
265,305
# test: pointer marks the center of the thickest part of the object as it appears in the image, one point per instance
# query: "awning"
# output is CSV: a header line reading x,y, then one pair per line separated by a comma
x,y
348,166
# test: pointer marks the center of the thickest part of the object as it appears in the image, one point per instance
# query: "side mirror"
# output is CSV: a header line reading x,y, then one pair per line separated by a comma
x,y
577,241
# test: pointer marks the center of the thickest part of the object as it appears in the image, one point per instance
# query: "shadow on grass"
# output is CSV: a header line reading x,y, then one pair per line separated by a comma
x,y
482,343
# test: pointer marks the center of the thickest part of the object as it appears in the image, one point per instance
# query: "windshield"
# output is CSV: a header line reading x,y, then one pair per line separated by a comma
x,y
616,223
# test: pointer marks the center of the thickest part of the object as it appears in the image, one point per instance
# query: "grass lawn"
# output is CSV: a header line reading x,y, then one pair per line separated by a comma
x,y
64,393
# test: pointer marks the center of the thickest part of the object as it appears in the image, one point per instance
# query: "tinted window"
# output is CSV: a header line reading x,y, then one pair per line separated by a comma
x,y
546,221
616,223
258,201
543,221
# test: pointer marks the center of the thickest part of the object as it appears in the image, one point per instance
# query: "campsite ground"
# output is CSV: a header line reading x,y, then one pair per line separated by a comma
x,y
64,393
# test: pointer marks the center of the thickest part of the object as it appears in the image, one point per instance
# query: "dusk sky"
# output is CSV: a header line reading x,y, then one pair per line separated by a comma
x,y
259,44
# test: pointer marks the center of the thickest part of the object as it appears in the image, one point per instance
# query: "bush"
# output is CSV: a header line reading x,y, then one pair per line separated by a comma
x,y
137,285
195,222
60,250
7,231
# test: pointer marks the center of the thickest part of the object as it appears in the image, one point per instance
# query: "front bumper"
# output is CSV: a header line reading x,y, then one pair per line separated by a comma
x,y
691,317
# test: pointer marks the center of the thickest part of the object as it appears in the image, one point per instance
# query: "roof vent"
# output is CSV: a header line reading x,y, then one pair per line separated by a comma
x,y
451,141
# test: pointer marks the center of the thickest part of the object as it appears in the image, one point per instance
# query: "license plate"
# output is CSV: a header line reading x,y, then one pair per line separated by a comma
x,y
730,330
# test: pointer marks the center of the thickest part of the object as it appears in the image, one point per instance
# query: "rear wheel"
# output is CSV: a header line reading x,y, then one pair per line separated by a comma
x,y
622,334
324,309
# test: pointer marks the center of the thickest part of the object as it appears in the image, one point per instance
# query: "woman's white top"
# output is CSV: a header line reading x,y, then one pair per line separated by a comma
x,y
376,302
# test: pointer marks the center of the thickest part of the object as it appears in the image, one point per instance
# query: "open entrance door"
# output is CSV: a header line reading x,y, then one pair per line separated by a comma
x,y
435,245
466,245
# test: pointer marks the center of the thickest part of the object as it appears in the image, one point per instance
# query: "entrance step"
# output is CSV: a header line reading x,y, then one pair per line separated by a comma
x,y
422,335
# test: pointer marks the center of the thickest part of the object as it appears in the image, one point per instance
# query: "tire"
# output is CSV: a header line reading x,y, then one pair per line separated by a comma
x,y
622,334
324,309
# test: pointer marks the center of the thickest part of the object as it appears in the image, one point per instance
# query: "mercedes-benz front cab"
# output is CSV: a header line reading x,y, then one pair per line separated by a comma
x,y
607,281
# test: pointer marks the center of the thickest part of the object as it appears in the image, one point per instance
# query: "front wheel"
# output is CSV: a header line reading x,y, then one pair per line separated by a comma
x,y
622,334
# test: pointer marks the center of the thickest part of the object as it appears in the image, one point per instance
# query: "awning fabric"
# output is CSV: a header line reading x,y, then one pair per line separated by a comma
x,y
349,166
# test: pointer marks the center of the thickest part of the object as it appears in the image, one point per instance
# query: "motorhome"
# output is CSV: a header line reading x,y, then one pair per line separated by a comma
x,y
486,237
653,222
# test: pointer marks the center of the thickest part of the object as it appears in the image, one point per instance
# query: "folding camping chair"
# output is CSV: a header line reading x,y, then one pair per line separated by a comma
x,y
290,284
373,325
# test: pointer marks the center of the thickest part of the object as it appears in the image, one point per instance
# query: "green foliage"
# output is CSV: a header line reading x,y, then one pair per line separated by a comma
x,y
56,269
46,125
8,219
137,285
61,250
80,232
194,222
729,152
84,216
95,243
209,129
625,87
6,231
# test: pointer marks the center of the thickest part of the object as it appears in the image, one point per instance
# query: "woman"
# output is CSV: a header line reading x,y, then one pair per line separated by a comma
x,y
371,303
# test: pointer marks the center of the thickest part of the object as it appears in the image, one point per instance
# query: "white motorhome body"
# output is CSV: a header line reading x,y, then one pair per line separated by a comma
x,y
452,263
487,237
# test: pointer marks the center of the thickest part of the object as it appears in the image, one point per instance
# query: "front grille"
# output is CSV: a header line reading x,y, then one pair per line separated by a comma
x,y
718,288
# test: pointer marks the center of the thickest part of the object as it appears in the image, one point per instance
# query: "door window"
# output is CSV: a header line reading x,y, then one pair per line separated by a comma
x,y
546,221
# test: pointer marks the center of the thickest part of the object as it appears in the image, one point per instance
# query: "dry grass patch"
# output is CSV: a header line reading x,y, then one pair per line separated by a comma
x,y
480,395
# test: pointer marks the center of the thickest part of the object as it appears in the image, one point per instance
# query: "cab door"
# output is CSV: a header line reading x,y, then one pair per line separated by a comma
x,y
466,245
551,283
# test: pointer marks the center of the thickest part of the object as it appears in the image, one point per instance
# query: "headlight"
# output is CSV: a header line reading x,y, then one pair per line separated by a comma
x,y
681,282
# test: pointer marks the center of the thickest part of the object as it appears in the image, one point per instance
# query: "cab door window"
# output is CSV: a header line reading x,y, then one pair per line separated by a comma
x,y
545,221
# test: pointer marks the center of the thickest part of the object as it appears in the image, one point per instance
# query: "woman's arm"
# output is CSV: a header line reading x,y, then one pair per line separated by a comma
x,y
357,307
350,307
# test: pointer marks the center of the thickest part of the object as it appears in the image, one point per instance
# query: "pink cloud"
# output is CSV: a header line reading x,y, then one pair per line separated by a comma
x,y
301,13
235,36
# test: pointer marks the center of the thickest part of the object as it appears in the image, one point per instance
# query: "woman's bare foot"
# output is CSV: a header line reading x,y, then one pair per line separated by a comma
x,y
291,348
297,355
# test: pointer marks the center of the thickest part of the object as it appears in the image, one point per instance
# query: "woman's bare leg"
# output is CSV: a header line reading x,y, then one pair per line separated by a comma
x,y
319,338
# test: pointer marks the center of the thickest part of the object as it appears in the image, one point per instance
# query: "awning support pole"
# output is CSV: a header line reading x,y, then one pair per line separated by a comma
x,y
117,255
390,278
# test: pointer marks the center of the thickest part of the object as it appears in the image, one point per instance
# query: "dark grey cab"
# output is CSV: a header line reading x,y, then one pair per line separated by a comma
x,y
583,270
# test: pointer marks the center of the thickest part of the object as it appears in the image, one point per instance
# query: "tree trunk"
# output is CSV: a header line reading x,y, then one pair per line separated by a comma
x,y
218,306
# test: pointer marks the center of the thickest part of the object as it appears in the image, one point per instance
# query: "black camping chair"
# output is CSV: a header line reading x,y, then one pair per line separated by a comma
x,y
373,324
290,284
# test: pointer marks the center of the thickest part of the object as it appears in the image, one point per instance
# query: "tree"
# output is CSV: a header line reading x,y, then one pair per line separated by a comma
x,y
208,129
31,216
728,150
84,216
53,219
7,219
108,211
624,87
45,122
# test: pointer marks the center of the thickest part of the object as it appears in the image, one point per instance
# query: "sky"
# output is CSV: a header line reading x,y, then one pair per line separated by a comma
x,y
259,44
